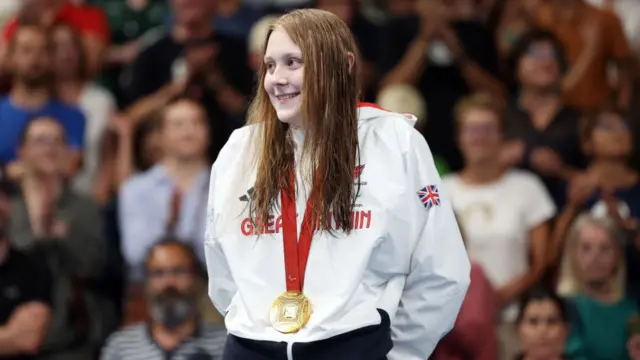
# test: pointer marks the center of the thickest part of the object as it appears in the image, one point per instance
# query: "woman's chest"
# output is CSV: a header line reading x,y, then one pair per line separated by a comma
x,y
377,227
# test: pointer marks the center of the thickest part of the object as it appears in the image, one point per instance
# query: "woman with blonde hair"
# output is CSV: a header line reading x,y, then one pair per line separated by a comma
x,y
592,278
327,235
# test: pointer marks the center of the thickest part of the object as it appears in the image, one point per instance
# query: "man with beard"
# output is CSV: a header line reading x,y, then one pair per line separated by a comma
x,y
174,330
30,95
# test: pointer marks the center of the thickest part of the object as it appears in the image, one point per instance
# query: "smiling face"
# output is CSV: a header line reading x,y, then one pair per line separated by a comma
x,y
284,77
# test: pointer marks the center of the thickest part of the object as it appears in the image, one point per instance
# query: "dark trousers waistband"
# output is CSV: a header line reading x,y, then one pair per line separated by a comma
x,y
368,343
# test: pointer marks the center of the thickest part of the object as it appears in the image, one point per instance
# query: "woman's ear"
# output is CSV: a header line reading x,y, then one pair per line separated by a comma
x,y
352,60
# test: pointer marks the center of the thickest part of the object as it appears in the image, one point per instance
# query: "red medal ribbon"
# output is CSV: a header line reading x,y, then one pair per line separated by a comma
x,y
296,253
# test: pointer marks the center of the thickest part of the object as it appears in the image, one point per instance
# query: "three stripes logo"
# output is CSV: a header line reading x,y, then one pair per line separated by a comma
x,y
247,197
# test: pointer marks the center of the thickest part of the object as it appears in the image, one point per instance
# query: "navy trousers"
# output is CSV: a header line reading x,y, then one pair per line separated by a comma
x,y
368,343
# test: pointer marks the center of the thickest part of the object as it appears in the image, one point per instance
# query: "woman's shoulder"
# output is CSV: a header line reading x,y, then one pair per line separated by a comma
x,y
238,141
388,129
238,150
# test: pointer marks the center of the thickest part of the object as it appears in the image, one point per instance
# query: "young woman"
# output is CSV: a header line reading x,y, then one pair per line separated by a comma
x,y
351,191
592,277
505,212
609,186
543,326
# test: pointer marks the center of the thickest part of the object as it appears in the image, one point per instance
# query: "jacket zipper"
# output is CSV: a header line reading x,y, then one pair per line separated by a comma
x,y
290,350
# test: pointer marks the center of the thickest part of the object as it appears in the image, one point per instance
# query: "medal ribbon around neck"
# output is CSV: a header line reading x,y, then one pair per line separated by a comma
x,y
296,251
291,311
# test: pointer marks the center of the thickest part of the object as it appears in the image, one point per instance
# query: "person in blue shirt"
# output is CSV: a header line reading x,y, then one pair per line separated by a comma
x,y
30,96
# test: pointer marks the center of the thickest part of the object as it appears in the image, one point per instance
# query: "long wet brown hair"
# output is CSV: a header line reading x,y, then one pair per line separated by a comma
x,y
329,111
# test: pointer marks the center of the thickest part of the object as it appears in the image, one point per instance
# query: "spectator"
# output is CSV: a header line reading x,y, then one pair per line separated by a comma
x,y
148,144
505,212
510,20
29,57
593,38
171,196
609,187
25,301
235,19
629,14
134,25
65,231
446,59
544,134
473,336
593,277
543,326
73,88
90,21
128,150
196,61
174,330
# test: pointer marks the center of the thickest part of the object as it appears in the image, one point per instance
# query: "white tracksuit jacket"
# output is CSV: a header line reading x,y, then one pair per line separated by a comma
x,y
404,257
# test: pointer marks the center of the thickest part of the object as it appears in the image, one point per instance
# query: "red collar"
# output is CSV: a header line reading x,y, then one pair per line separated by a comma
x,y
368,104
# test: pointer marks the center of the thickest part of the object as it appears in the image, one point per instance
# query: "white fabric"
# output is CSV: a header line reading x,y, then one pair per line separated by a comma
x,y
403,258
496,219
97,104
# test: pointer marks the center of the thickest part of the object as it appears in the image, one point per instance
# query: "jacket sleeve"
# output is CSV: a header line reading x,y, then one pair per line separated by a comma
x,y
222,288
439,270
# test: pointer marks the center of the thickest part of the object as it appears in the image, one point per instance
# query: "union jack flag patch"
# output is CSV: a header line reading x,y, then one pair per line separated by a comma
x,y
429,196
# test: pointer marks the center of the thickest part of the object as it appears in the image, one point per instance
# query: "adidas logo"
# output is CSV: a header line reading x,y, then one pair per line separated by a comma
x,y
247,197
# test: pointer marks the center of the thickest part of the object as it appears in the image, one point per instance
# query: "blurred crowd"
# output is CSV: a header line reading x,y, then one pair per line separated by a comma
x,y
112,112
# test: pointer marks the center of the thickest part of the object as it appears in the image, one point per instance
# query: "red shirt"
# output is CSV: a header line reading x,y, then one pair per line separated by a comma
x,y
474,333
86,19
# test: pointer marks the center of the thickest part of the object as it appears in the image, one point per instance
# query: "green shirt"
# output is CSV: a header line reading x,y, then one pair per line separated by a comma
x,y
127,24
599,330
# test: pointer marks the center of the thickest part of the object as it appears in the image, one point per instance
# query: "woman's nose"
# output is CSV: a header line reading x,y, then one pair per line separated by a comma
x,y
280,75
281,80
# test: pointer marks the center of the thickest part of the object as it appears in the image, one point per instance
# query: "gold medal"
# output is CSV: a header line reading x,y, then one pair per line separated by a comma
x,y
290,312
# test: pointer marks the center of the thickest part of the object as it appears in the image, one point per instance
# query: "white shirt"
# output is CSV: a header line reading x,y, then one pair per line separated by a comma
x,y
399,250
97,104
496,219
